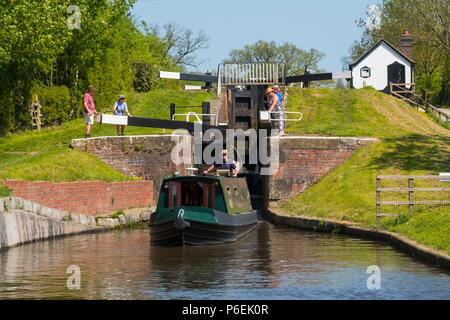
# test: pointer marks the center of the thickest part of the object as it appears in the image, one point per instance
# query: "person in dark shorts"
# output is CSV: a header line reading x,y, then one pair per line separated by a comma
x,y
227,164
120,108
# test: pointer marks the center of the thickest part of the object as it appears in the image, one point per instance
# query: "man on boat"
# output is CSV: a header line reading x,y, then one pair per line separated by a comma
x,y
227,164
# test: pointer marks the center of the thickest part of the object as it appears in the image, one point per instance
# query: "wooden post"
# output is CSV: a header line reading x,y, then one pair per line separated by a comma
x,y
378,204
411,195
38,118
35,113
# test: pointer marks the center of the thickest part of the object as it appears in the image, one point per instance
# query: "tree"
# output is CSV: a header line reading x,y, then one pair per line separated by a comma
x,y
297,61
259,52
181,44
39,48
340,84
428,23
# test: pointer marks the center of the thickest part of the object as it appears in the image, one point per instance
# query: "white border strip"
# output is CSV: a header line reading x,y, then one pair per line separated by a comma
x,y
188,87
342,75
169,75
112,119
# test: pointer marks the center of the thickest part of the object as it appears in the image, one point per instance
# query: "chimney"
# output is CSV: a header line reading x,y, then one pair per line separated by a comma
x,y
406,42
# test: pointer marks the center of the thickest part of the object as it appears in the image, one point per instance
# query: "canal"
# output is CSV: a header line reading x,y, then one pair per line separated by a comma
x,y
271,262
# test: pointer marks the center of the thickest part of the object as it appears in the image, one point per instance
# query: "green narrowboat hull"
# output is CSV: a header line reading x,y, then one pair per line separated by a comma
x,y
189,226
199,210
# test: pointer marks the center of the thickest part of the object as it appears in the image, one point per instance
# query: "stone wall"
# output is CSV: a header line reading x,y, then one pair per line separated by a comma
x,y
303,160
22,221
87,198
147,157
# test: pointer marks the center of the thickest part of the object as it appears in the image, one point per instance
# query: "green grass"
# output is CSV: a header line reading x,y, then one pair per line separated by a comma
x,y
47,156
348,192
411,144
349,112
116,215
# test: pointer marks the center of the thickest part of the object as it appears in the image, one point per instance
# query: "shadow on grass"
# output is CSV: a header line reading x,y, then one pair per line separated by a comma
x,y
415,152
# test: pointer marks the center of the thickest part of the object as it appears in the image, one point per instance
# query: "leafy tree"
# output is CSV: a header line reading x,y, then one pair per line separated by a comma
x,y
297,60
428,23
41,54
33,34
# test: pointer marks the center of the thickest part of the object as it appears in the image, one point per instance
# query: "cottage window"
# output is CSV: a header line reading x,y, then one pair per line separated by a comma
x,y
365,72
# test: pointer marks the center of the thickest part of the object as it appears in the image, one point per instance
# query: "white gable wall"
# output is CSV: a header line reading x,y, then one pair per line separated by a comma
x,y
377,61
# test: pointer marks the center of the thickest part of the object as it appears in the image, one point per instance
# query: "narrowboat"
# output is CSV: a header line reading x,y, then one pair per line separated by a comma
x,y
201,210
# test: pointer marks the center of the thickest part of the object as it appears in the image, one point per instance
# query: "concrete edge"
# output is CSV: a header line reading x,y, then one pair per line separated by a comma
x,y
11,204
411,247
91,230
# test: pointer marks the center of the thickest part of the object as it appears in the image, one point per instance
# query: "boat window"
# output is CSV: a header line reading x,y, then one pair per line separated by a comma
x,y
209,192
192,194
208,197
174,194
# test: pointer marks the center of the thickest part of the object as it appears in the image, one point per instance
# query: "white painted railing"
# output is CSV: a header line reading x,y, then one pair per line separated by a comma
x,y
249,73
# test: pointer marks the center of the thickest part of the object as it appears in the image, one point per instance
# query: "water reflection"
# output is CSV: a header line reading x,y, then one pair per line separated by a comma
x,y
269,263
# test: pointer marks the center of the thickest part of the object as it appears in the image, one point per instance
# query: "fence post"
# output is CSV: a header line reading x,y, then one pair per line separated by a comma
x,y
206,106
411,195
208,85
172,110
378,203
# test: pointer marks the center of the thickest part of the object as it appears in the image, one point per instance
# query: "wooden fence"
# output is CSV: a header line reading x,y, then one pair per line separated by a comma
x,y
401,91
411,189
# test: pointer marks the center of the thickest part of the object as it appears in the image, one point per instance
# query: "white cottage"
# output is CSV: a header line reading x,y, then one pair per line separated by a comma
x,y
383,63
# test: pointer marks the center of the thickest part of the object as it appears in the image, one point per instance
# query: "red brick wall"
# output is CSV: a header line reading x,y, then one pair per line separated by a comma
x,y
88,198
304,161
147,157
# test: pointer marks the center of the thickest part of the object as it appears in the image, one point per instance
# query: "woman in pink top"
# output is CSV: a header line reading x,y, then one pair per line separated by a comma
x,y
89,110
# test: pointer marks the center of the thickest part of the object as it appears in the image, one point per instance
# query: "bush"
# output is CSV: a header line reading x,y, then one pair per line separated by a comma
x,y
55,104
6,111
5,191
145,77
429,86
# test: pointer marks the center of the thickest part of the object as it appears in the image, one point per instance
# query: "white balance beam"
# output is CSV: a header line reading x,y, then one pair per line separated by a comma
x,y
112,119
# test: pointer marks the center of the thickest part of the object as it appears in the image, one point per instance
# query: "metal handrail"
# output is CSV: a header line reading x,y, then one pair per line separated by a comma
x,y
196,115
284,112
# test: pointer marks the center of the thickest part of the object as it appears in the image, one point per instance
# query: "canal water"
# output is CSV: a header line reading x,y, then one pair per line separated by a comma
x,y
271,262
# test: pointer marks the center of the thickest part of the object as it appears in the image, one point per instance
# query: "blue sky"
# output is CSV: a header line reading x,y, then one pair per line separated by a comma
x,y
327,25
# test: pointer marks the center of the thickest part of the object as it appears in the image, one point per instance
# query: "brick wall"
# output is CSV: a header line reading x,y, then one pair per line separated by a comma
x,y
148,157
304,160
88,198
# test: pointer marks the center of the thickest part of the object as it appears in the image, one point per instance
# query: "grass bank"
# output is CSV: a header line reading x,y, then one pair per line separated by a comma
x,y
47,156
411,144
